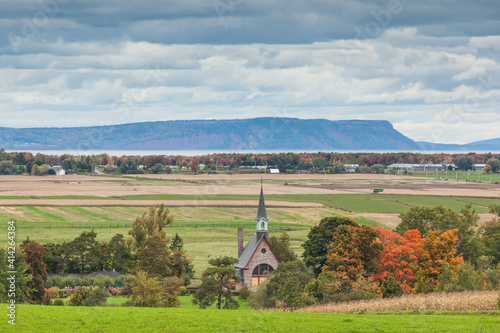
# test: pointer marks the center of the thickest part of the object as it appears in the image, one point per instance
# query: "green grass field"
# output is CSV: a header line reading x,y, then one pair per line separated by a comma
x,y
464,175
33,318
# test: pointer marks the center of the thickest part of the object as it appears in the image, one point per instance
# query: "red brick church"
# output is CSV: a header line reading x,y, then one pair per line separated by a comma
x,y
257,259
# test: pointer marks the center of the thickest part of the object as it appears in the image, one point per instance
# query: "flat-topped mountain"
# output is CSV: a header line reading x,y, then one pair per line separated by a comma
x,y
256,133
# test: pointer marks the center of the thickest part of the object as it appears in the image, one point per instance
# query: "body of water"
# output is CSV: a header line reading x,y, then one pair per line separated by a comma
x,y
229,151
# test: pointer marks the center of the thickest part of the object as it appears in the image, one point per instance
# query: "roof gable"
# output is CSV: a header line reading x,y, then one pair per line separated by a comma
x,y
250,248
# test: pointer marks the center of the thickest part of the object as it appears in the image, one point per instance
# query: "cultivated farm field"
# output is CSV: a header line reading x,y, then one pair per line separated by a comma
x,y
207,209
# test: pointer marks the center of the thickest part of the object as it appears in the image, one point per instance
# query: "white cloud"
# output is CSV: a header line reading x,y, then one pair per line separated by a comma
x,y
432,86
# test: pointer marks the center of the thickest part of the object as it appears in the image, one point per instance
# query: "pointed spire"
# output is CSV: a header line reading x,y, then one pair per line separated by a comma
x,y
261,214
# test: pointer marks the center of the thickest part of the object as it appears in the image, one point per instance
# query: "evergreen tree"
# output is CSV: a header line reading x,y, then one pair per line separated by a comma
x,y
216,285
281,247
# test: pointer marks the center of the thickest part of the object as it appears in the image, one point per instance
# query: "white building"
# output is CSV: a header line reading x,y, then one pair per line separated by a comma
x,y
274,171
420,167
351,167
479,167
59,170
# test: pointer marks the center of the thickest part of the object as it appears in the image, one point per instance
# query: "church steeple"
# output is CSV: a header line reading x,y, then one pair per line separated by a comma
x,y
262,218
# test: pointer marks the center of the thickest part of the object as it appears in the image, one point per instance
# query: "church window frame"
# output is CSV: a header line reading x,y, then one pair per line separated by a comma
x,y
260,273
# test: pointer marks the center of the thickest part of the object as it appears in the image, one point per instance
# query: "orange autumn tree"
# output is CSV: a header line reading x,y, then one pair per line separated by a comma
x,y
354,251
399,257
438,250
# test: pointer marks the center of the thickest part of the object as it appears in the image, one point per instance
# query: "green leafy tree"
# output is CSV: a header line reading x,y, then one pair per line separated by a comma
x,y
157,168
440,218
465,163
22,291
155,257
390,287
281,247
150,223
318,239
80,253
494,209
494,163
54,258
7,168
121,258
377,168
151,243
216,285
490,232
322,287
153,291
3,154
285,288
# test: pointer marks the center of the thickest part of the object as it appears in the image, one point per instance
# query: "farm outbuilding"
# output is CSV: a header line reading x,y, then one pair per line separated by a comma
x,y
420,167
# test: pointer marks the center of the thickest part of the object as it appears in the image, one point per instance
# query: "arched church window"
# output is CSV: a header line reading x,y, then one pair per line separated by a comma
x,y
260,273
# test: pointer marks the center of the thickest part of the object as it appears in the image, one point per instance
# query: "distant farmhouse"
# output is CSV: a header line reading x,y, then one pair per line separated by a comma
x,y
59,170
430,167
257,259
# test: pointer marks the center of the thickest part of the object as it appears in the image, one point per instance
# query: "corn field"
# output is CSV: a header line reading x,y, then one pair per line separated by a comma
x,y
463,301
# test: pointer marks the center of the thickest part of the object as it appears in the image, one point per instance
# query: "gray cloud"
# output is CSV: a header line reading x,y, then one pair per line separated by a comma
x,y
431,68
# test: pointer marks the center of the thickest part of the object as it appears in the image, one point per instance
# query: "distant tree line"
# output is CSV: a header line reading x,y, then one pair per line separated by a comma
x,y
23,162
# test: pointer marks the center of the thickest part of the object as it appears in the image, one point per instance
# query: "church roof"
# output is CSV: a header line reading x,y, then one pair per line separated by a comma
x,y
249,249
261,213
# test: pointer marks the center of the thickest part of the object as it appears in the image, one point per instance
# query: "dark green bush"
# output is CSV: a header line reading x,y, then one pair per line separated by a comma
x,y
59,302
88,297
391,288
245,292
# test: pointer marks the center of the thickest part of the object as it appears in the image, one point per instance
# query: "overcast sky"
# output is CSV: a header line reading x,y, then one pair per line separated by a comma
x,y
432,68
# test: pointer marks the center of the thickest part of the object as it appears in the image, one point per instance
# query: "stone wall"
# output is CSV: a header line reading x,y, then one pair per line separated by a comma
x,y
258,258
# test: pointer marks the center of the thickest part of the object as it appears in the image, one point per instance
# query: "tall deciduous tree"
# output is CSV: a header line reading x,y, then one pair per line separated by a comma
x,y
440,218
34,255
81,253
318,239
465,163
438,251
151,243
490,231
399,258
216,285
354,250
